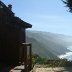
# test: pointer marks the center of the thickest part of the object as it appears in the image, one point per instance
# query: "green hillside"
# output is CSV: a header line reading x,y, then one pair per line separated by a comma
x,y
48,45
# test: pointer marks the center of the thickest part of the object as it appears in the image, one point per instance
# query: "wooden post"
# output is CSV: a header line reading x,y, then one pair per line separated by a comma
x,y
27,65
25,58
30,57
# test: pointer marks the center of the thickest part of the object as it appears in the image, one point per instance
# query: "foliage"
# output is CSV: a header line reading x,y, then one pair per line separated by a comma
x,y
59,63
36,59
68,4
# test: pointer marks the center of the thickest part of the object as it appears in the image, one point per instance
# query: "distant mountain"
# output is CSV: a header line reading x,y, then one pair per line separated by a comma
x,y
48,44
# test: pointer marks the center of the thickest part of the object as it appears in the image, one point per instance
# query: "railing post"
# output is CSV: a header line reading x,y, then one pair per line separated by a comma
x,y
27,62
30,67
25,57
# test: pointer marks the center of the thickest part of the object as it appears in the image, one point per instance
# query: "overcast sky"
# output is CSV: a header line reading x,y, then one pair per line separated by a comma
x,y
44,15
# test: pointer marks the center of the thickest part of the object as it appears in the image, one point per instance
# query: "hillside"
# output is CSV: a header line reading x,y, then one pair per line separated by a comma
x,y
48,44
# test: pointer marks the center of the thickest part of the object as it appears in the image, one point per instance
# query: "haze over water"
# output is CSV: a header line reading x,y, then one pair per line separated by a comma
x,y
68,55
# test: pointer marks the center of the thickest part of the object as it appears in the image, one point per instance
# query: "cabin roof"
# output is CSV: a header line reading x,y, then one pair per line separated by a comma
x,y
16,19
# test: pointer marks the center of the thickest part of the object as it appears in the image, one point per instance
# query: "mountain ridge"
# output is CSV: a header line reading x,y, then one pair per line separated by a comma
x,y
47,44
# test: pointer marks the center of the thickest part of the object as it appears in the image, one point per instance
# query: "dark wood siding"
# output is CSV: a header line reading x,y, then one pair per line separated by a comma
x,y
10,40
11,36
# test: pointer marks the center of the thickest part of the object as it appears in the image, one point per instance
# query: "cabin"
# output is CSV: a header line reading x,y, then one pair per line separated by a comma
x,y
13,46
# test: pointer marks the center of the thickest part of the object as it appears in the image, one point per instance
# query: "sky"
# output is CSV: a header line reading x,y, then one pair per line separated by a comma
x,y
44,15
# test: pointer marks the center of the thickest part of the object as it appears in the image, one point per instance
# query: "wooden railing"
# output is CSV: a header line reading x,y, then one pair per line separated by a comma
x,y
26,56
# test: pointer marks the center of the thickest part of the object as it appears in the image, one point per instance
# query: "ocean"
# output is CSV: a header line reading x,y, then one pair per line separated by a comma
x,y
68,55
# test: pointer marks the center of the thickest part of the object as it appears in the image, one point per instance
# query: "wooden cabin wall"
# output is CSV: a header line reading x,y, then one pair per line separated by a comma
x,y
22,35
10,39
9,49
22,40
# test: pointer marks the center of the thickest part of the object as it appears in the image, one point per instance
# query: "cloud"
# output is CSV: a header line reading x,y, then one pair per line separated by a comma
x,y
66,56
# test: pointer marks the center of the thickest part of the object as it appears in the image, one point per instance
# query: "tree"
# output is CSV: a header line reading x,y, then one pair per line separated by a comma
x,y
68,4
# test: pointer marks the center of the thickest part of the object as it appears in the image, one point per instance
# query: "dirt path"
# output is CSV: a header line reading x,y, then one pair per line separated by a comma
x,y
56,69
